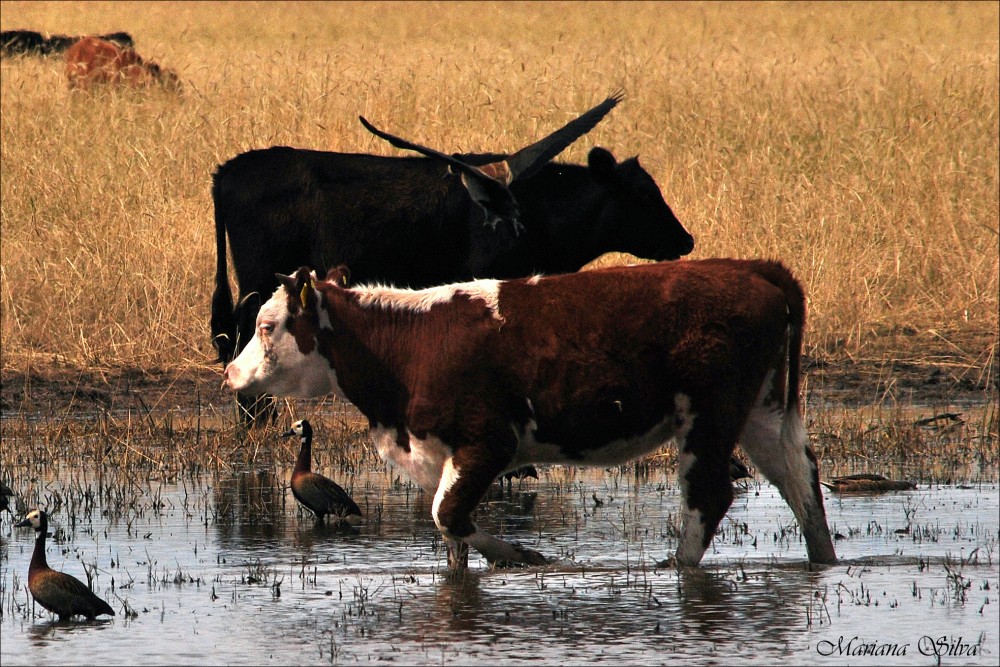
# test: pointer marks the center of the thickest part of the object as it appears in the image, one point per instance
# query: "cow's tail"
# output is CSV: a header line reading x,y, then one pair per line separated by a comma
x,y
797,476
223,318
795,299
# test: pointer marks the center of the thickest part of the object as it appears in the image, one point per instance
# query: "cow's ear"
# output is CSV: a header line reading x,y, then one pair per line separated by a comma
x,y
603,166
299,288
305,281
339,276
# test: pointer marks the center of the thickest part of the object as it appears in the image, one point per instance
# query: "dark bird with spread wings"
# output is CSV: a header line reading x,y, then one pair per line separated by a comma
x,y
488,184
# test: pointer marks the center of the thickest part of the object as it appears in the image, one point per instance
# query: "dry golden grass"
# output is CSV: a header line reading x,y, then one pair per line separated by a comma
x,y
856,142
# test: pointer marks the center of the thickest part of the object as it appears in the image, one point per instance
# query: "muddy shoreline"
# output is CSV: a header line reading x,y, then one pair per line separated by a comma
x,y
63,389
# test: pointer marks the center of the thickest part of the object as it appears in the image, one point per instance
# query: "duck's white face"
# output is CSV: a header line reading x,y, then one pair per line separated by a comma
x,y
33,519
296,429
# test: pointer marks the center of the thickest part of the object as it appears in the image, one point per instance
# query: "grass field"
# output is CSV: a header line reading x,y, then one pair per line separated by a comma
x,y
856,142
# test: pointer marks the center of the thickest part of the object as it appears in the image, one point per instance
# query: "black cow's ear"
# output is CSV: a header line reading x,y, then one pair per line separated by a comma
x,y
602,165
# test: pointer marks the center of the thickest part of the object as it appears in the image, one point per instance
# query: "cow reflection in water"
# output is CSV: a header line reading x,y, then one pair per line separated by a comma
x,y
680,609
744,608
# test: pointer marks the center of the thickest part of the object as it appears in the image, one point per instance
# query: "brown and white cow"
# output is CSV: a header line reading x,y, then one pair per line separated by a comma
x,y
93,60
463,382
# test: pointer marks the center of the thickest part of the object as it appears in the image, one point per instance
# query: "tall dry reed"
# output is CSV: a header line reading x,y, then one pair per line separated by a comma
x,y
856,142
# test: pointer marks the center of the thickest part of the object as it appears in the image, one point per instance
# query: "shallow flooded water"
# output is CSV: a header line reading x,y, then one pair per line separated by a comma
x,y
226,570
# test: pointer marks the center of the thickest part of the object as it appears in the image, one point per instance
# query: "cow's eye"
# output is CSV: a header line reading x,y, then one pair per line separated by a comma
x,y
266,327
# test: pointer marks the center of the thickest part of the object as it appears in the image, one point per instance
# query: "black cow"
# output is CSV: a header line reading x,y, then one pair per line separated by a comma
x,y
29,42
414,222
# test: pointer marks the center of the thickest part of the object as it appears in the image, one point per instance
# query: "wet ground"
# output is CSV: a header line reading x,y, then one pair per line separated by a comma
x,y
897,366
223,568
226,570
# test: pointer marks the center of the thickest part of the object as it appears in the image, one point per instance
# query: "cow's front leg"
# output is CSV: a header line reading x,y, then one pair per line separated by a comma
x,y
466,477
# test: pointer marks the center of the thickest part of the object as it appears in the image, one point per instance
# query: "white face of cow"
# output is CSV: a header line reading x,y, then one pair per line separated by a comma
x,y
273,363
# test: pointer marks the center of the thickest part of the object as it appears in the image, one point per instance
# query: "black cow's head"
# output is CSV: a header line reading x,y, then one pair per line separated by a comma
x,y
635,216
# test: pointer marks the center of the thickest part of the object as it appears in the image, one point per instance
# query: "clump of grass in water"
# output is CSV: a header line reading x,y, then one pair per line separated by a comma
x,y
256,572
845,439
958,584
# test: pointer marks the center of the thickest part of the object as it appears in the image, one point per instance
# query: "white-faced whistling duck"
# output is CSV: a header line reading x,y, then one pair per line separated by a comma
x,y
316,493
737,470
5,492
58,592
518,473
867,483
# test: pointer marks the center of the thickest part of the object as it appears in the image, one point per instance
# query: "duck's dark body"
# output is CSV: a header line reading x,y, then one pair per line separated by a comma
x,y
58,592
867,483
5,492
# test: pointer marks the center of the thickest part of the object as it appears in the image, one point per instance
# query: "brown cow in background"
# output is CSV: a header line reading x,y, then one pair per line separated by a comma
x,y
93,60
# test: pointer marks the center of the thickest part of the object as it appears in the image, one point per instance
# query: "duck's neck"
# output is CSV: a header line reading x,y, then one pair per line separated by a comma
x,y
304,462
38,561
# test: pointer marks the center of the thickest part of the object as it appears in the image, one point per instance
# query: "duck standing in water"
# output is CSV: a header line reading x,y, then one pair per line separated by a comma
x,y
737,470
315,492
58,592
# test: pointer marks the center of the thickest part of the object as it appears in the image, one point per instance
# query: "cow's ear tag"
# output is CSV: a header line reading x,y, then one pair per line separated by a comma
x,y
343,280
305,292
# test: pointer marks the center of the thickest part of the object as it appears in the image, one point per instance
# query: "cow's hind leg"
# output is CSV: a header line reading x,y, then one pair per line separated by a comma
x,y
466,477
776,442
706,490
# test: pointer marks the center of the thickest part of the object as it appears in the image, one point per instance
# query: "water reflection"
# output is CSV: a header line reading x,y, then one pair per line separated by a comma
x,y
228,569
760,605
249,497
570,615
459,600
44,633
